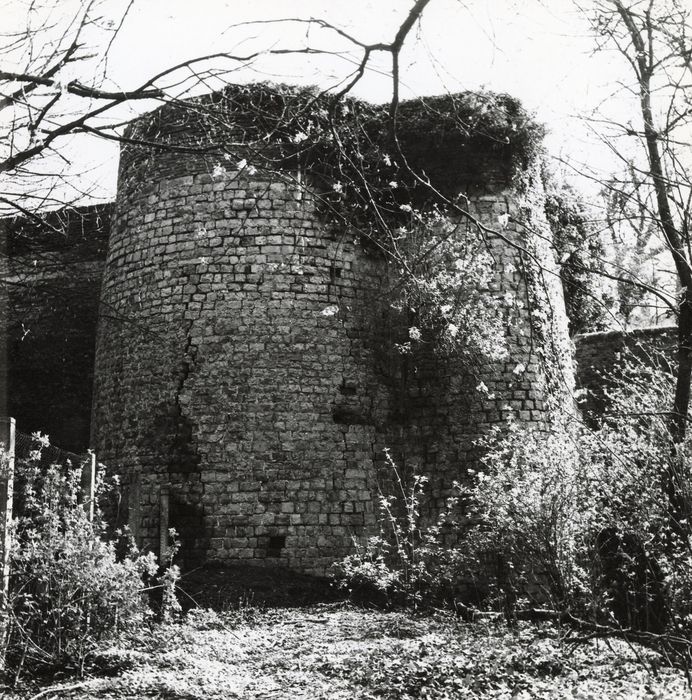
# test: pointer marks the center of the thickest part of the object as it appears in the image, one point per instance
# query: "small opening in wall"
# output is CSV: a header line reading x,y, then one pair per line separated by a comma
x,y
275,544
334,272
347,390
346,415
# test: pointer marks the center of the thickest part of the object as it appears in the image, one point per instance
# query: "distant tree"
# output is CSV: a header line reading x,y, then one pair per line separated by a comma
x,y
636,248
654,37
590,298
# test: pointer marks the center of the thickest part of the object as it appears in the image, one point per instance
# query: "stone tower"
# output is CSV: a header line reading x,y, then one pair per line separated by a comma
x,y
244,360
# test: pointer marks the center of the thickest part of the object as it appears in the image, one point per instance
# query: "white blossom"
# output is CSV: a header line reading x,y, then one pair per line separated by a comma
x,y
414,333
581,395
330,311
218,171
41,439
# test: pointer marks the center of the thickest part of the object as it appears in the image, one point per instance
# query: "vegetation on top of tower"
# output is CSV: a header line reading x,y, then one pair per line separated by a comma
x,y
427,150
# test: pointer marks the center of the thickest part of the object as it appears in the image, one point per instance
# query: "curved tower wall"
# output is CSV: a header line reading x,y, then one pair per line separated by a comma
x,y
451,407
244,364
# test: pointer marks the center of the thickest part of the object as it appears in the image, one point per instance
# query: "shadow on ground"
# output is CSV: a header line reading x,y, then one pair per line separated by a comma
x,y
232,586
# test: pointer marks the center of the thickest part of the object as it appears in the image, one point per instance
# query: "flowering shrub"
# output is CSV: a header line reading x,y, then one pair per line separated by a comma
x,y
586,512
407,562
444,293
69,591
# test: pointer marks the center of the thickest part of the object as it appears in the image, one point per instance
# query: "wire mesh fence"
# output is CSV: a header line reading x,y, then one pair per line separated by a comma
x,y
39,449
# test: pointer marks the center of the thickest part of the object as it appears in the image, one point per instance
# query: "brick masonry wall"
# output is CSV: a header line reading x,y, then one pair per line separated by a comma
x,y
50,277
245,358
229,375
598,356
449,407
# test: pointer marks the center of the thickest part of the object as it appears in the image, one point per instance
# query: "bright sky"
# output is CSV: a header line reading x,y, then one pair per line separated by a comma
x,y
538,50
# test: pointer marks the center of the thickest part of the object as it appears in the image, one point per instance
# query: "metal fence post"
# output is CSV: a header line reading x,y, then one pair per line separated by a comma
x,y
89,485
7,438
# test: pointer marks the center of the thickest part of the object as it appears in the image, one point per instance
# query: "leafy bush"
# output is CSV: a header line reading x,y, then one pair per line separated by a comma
x,y
636,463
69,591
586,512
531,511
443,301
407,563
527,522
567,515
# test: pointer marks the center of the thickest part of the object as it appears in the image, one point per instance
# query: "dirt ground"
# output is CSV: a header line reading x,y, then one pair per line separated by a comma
x,y
337,651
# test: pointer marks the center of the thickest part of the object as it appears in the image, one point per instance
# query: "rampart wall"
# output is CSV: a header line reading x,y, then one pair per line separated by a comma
x,y
600,355
50,280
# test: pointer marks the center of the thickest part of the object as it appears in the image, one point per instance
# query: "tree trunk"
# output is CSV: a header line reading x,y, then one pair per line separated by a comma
x,y
674,478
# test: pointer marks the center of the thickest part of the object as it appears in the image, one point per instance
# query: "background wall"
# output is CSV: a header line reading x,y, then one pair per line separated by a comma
x,y
51,278
599,355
